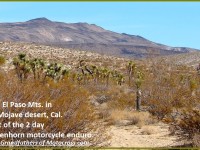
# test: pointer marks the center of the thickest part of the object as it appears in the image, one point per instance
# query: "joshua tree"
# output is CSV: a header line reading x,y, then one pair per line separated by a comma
x,y
118,77
22,66
138,83
105,75
131,67
89,69
96,73
81,66
49,72
65,73
55,71
37,67
79,78
88,73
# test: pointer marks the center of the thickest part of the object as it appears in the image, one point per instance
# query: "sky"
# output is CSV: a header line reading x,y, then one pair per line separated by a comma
x,y
171,23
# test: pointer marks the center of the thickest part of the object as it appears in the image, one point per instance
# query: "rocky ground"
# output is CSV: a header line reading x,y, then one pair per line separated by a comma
x,y
66,56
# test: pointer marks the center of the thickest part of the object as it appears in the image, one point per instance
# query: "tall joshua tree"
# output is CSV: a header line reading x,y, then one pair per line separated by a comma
x,y
138,82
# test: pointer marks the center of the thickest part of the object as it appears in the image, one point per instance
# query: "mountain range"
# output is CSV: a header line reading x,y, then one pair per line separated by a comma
x,y
84,36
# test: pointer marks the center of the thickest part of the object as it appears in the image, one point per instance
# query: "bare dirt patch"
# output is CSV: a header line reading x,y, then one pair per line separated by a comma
x,y
156,135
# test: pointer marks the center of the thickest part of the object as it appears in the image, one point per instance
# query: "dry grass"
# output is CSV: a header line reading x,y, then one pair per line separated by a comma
x,y
124,117
148,130
103,112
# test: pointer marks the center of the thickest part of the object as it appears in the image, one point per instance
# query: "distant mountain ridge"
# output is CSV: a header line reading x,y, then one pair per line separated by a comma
x,y
84,36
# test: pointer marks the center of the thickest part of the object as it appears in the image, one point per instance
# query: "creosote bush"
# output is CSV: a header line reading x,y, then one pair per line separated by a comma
x,y
172,94
69,99
188,124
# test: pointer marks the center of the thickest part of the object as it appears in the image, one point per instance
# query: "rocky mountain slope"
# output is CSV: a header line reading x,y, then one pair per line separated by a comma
x,y
188,59
71,58
68,57
84,36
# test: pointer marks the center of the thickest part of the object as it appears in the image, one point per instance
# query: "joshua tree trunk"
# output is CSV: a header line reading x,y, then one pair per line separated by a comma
x,y
44,79
129,80
129,77
138,99
34,74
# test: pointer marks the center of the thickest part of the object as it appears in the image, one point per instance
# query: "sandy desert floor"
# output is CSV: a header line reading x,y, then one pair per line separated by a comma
x,y
157,135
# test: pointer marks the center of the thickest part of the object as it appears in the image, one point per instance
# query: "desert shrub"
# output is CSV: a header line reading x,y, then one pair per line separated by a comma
x,y
2,60
113,97
124,117
120,98
148,130
122,101
159,108
188,122
171,93
103,112
169,87
70,100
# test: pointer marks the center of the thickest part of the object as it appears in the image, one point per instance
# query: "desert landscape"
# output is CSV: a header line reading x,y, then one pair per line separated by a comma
x,y
159,122
125,90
